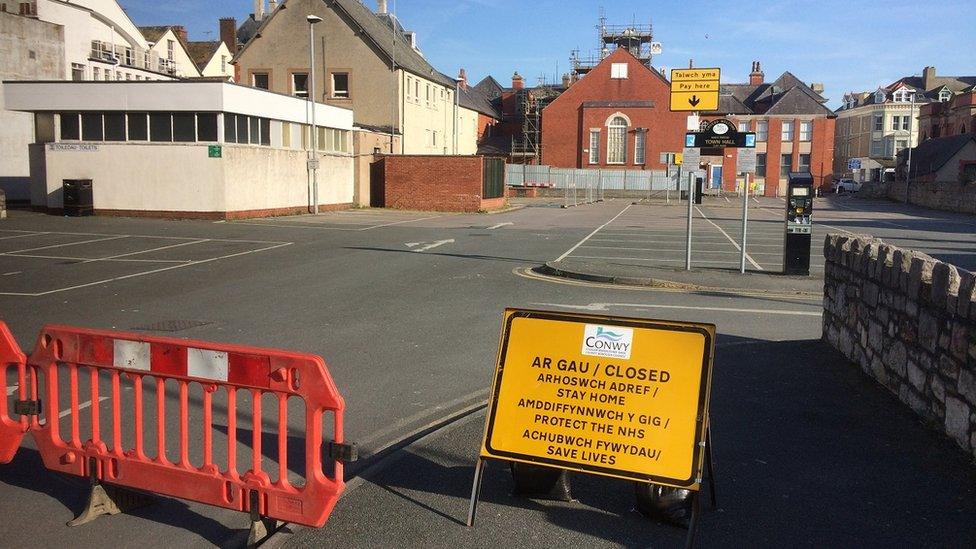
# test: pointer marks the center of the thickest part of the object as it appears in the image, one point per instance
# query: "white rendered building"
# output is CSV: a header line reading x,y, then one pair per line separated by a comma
x,y
191,149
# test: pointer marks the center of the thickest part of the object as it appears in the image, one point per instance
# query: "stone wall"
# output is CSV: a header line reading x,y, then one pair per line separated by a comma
x,y
909,321
950,196
3,205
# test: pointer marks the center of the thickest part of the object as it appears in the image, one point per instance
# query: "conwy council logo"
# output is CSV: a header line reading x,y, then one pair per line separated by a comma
x,y
607,341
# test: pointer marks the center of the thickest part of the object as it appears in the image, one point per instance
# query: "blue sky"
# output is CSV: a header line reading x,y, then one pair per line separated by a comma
x,y
846,45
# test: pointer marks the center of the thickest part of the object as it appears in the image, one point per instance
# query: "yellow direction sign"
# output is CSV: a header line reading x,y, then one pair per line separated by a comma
x,y
695,89
620,397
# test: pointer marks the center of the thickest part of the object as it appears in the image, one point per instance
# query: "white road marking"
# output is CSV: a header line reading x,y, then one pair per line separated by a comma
x,y
727,200
500,225
11,390
603,307
580,243
413,244
81,406
88,259
734,243
22,235
153,271
401,222
697,262
111,257
116,237
433,245
12,273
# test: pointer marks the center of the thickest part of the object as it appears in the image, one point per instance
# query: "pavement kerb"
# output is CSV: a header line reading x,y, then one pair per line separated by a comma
x,y
551,269
507,209
384,458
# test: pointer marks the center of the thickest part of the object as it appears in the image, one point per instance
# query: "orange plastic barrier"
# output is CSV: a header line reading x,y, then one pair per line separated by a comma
x,y
125,362
11,430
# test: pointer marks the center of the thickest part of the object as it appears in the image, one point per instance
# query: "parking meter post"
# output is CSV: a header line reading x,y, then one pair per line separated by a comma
x,y
691,206
745,223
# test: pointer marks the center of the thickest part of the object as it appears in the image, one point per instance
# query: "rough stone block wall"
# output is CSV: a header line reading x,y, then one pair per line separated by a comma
x,y
3,205
909,321
949,196
438,183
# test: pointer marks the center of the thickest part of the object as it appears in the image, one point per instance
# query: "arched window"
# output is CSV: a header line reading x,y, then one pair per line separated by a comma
x,y
617,140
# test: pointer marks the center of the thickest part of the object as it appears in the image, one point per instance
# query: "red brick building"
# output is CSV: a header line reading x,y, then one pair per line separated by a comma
x,y
618,117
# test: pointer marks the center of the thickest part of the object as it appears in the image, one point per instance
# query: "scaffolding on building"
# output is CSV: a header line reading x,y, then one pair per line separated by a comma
x,y
527,145
637,39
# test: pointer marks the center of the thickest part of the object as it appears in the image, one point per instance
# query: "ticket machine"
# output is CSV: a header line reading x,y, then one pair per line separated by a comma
x,y
799,224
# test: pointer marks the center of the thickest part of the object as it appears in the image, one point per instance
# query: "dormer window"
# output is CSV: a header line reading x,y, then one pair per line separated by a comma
x,y
902,96
879,96
945,95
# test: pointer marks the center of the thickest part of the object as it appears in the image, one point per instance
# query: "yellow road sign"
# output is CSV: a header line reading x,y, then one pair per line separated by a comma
x,y
619,397
678,158
695,89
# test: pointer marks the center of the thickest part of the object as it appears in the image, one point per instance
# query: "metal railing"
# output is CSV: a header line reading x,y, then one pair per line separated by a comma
x,y
591,185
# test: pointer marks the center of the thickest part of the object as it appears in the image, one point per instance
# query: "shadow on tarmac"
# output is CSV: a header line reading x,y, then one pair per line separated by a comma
x,y
808,450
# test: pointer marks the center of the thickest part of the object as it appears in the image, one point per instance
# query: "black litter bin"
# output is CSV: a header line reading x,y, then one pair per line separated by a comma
x,y
699,189
78,197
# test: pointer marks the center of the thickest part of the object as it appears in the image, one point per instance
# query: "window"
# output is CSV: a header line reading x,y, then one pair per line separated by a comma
x,y
969,172
878,122
70,127
895,122
905,122
223,64
902,96
170,47
594,146
254,127
761,164
743,127
340,86
410,93
261,80
617,141
265,124
160,127
96,73
618,71
77,71
428,95
901,145
433,140
91,127
639,141
230,128
416,90
876,147
114,126
804,163
207,127
762,130
806,131
138,123
879,96
184,127
945,96
241,129
785,164
299,84
787,133
286,135
108,74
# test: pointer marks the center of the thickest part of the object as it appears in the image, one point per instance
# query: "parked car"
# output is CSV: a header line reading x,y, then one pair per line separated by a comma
x,y
842,186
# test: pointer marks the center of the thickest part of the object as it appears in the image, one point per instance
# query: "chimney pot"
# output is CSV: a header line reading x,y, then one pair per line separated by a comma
x,y
518,82
381,7
756,77
462,79
258,10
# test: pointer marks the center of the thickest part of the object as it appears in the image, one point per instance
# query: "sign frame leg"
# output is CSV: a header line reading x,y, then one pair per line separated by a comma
x,y
695,523
711,466
479,473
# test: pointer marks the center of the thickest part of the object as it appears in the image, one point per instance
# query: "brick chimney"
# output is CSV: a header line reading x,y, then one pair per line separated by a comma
x,y
518,82
462,79
756,77
928,78
180,30
567,80
228,33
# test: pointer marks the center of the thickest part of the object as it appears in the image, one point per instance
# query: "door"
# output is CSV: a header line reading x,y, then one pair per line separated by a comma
x,y
716,177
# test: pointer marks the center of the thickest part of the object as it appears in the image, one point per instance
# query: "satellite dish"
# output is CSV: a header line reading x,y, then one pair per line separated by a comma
x,y
656,48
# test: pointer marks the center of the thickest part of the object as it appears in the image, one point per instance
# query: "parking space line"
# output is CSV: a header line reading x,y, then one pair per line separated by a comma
x,y
401,222
117,237
734,243
153,271
22,235
112,257
580,243
603,307
88,259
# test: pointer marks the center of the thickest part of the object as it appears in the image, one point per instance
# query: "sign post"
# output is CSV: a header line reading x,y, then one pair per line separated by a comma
x,y
691,207
745,223
619,397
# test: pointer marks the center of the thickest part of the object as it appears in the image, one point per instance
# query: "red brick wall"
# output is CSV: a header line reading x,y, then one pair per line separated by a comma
x,y
774,147
437,183
566,124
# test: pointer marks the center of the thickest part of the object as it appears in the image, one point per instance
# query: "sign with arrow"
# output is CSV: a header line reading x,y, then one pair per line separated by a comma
x,y
695,89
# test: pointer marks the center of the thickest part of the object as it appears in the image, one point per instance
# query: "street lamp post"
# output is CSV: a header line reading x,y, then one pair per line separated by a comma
x,y
313,151
908,164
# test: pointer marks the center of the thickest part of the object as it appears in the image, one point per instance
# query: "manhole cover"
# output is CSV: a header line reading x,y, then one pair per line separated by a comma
x,y
172,325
